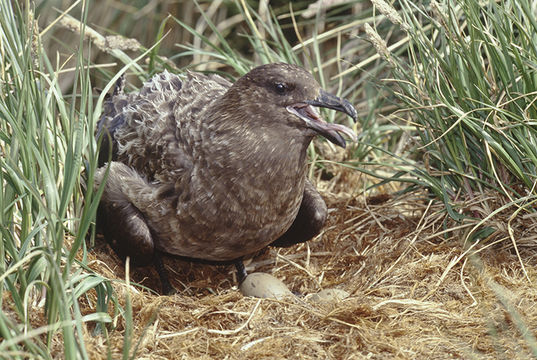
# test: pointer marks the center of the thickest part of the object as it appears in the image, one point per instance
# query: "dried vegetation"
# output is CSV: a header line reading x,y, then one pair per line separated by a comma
x,y
415,293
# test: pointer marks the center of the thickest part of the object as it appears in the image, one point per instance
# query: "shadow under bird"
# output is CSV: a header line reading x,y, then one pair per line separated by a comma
x,y
206,169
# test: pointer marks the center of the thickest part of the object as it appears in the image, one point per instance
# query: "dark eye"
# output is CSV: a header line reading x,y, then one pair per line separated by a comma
x,y
281,88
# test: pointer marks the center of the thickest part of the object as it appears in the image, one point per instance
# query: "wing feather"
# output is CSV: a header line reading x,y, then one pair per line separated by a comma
x,y
153,130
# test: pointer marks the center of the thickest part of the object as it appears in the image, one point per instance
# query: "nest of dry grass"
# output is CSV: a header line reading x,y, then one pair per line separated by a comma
x,y
416,292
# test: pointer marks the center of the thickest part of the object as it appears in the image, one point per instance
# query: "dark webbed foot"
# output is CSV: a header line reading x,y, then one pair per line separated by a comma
x,y
241,271
309,220
166,286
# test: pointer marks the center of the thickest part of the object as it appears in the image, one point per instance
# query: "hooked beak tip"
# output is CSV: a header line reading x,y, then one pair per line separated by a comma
x,y
333,102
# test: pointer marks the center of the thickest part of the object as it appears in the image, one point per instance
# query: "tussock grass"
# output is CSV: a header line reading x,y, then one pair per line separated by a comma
x,y
465,74
468,80
44,220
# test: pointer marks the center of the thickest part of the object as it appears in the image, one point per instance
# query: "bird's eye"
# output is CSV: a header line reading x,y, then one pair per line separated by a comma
x,y
281,88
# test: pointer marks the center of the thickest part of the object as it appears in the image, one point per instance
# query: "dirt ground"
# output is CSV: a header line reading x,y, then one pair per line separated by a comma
x,y
416,291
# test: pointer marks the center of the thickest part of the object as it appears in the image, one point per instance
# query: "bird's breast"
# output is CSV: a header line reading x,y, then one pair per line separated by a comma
x,y
232,212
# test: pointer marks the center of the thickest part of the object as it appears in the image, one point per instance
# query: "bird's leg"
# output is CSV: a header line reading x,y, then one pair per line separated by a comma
x,y
309,220
166,286
241,271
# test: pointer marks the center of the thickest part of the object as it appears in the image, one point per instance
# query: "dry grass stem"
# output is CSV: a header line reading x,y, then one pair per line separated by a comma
x,y
388,11
104,43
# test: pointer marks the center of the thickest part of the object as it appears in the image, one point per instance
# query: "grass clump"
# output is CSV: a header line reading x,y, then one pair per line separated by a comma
x,y
469,82
44,135
468,85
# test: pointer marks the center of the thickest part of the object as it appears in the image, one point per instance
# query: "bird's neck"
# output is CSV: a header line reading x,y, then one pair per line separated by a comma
x,y
265,150
248,169
255,153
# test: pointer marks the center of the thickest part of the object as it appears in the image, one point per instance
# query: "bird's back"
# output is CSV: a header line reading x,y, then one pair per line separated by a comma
x,y
153,130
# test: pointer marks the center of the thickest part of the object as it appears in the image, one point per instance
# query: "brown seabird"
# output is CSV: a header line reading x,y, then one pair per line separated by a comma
x,y
206,169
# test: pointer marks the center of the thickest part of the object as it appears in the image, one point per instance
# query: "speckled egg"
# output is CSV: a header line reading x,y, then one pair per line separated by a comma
x,y
265,286
329,295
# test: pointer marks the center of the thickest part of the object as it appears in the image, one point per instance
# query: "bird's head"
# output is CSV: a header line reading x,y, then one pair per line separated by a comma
x,y
292,95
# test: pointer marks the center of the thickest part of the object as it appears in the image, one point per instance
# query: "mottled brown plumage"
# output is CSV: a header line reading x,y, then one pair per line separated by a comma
x,y
206,169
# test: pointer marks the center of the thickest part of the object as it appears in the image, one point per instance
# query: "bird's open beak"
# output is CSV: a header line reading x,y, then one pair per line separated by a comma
x,y
310,115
